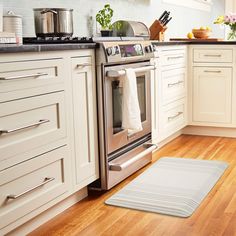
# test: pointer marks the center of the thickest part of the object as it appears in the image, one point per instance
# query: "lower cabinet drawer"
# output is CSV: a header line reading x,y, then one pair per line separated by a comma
x,y
22,75
27,186
214,55
173,117
173,57
173,85
30,123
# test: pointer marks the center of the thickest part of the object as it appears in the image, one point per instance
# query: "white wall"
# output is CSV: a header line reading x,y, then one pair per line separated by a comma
x,y
184,19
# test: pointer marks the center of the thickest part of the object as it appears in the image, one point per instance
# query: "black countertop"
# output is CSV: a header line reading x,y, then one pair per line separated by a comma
x,y
12,48
194,42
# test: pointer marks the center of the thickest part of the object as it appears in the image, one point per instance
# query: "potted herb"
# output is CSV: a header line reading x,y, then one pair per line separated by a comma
x,y
104,18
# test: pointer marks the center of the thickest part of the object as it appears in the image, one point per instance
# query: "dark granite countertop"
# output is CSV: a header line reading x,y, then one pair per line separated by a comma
x,y
170,43
166,43
12,48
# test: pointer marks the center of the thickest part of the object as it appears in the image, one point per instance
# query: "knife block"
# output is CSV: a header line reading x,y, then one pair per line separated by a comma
x,y
157,31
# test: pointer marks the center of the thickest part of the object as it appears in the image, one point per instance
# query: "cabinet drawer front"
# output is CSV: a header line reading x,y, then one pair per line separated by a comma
x,y
175,57
173,117
213,55
27,186
173,85
29,74
29,123
81,64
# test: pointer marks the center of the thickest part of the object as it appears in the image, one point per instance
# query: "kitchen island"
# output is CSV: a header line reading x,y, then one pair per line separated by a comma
x,y
48,136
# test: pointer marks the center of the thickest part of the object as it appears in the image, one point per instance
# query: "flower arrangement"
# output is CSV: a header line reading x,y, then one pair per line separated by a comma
x,y
229,20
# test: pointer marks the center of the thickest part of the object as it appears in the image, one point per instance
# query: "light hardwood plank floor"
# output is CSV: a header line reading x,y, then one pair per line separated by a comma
x,y
215,216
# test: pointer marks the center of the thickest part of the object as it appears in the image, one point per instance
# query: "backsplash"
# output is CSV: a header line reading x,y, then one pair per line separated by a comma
x,y
184,19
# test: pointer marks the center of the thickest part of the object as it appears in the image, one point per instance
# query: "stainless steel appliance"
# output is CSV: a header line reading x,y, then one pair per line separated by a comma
x,y
53,22
121,154
124,28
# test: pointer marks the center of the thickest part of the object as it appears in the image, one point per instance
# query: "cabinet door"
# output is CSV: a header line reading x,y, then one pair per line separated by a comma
x,y
85,120
212,94
155,102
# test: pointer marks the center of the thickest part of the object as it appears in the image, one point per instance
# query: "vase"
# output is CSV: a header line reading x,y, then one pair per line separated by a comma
x,y
106,33
232,33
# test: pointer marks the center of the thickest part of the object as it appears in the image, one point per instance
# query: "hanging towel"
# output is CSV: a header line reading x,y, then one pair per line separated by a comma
x,y
131,115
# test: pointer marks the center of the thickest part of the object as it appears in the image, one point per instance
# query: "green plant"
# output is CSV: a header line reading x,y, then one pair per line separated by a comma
x,y
104,17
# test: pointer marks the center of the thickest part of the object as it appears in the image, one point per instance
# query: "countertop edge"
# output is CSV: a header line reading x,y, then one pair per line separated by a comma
x,y
10,48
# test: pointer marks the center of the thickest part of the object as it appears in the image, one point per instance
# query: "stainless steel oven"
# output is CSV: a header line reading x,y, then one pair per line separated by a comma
x,y
122,153
116,136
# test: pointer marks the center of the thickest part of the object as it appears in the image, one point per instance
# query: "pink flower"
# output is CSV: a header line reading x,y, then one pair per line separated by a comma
x,y
227,19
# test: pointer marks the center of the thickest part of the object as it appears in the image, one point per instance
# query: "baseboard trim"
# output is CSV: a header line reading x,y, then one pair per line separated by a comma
x,y
167,140
210,131
49,214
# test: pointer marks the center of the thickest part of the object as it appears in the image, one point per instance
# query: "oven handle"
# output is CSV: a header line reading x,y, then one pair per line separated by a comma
x,y
118,73
119,167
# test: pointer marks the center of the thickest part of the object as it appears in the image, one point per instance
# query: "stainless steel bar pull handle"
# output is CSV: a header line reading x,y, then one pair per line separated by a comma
x,y
174,57
23,76
40,122
15,196
174,84
175,116
84,65
212,55
212,71
118,73
119,167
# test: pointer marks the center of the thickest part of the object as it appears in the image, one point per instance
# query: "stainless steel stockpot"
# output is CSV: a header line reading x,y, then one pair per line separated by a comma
x,y
53,22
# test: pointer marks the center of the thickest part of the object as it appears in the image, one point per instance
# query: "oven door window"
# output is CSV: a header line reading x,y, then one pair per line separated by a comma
x,y
117,97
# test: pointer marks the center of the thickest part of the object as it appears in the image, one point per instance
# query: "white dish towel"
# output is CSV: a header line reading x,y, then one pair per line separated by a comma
x,y
131,115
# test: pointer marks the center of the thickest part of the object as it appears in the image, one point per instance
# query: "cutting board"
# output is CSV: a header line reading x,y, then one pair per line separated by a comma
x,y
197,40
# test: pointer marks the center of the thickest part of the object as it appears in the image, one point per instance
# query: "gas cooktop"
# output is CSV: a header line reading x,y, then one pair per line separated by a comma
x,y
53,40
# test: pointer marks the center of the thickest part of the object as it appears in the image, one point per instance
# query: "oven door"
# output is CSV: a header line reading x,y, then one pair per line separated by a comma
x,y
116,136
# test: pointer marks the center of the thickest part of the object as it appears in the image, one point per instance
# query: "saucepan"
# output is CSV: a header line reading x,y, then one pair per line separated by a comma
x,y
53,22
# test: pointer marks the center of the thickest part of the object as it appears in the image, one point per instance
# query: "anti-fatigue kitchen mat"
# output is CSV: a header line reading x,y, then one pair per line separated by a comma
x,y
172,186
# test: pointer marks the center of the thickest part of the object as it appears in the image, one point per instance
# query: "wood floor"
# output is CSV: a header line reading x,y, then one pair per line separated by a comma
x,y
215,216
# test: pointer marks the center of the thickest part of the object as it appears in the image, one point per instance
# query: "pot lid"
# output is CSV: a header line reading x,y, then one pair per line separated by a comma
x,y
12,14
55,9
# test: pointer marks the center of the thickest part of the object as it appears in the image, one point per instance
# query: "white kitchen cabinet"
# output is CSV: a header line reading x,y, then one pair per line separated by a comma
x,y
230,6
211,86
48,132
169,92
212,94
85,120
31,184
29,124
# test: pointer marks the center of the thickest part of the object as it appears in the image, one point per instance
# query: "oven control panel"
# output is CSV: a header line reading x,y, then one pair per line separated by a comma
x,y
112,51
128,50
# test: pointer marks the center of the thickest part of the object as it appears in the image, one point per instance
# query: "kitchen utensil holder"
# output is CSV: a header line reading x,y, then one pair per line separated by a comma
x,y
157,30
